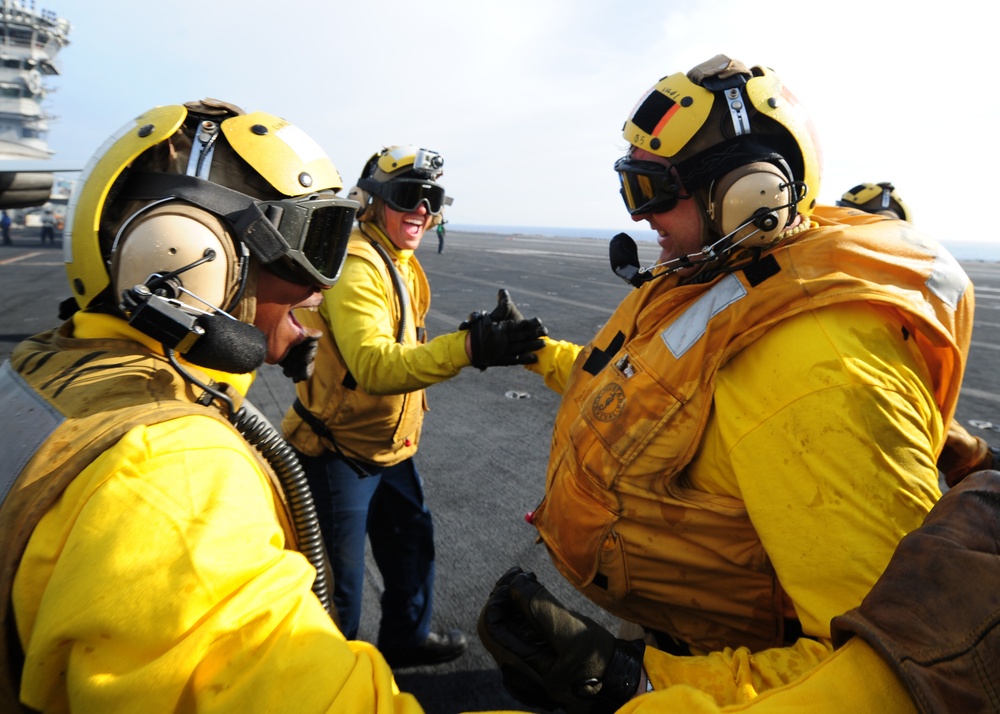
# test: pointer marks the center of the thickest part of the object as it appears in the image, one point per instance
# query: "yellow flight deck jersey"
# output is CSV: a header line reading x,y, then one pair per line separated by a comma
x,y
161,579
368,385
852,679
738,459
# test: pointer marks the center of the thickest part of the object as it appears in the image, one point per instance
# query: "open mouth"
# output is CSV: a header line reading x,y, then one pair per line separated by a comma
x,y
298,326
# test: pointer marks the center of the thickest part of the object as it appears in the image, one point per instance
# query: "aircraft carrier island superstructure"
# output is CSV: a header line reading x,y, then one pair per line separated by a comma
x,y
29,45
30,42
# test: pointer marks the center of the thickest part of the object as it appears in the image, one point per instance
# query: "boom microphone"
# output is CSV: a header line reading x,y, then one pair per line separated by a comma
x,y
216,340
624,256
228,345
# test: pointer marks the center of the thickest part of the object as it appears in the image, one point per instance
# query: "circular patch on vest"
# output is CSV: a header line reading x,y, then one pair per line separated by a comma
x,y
609,402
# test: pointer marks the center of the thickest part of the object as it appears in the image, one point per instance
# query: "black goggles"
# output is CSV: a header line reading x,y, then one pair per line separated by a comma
x,y
303,240
648,186
406,195
316,231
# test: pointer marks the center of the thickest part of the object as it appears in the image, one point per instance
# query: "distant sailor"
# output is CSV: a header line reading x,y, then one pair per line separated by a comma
x,y
440,234
48,227
5,227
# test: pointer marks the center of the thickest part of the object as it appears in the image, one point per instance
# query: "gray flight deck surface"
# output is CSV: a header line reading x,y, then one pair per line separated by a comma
x,y
486,438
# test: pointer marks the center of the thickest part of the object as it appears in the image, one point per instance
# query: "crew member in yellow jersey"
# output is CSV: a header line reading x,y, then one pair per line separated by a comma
x,y
357,420
745,442
160,553
962,453
925,639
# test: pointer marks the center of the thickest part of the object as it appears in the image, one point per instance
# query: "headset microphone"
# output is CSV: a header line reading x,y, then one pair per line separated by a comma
x,y
624,253
624,256
228,345
214,341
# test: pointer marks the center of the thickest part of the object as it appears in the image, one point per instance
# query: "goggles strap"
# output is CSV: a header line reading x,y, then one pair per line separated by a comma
x,y
716,161
243,212
376,188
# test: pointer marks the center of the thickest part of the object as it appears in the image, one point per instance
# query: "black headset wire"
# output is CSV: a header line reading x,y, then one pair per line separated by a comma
x,y
262,435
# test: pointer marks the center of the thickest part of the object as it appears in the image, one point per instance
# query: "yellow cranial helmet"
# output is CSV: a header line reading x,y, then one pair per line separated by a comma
x,y
403,177
400,161
880,198
185,194
719,117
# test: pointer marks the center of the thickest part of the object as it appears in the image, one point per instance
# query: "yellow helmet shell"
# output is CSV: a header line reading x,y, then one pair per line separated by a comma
x,y
667,117
878,198
402,161
283,155
85,266
675,119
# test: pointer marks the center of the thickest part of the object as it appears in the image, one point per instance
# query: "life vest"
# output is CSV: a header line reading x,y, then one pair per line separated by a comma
x,y
67,401
616,517
381,429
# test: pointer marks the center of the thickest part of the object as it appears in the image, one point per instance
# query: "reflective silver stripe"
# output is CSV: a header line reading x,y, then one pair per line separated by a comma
x,y
689,327
948,281
26,421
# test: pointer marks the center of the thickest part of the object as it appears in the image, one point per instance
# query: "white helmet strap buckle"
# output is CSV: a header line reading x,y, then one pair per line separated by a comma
x,y
202,150
738,111
730,89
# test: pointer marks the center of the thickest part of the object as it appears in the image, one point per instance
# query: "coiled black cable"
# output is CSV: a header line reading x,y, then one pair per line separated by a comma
x,y
260,434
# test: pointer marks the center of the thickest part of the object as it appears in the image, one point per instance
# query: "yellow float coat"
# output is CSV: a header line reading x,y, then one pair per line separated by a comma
x,y
721,449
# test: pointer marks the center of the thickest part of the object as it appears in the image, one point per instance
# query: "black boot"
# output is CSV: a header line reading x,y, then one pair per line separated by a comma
x,y
438,648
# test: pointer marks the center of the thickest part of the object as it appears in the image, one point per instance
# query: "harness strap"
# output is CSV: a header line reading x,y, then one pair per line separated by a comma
x,y
321,430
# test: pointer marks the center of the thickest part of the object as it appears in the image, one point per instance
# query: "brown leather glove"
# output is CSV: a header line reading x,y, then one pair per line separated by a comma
x,y
934,615
964,454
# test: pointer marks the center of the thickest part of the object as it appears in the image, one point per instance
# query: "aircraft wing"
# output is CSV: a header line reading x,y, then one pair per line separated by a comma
x,y
24,184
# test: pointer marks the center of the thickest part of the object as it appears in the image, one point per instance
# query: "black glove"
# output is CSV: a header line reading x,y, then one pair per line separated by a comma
x,y
505,309
298,363
553,657
499,344
503,337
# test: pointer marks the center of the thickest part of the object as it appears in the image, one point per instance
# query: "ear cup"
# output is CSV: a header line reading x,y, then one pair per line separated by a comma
x,y
170,236
741,193
361,196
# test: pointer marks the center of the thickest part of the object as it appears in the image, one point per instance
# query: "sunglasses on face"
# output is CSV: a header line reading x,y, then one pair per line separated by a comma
x,y
648,186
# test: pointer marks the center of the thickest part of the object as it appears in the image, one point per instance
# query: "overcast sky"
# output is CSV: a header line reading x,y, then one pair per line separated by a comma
x,y
526,98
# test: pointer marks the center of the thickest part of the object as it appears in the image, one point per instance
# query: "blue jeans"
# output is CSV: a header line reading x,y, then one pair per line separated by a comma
x,y
389,507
